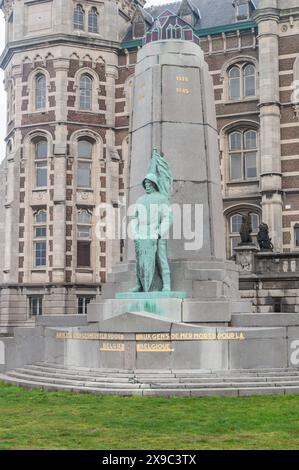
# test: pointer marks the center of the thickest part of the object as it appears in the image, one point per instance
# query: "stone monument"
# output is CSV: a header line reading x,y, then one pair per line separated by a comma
x,y
184,312
174,112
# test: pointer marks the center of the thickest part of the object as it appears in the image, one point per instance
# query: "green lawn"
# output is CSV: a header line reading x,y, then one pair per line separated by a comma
x,y
61,420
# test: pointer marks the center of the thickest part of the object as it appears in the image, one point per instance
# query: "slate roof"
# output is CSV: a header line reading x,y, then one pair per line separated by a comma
x,y
213,12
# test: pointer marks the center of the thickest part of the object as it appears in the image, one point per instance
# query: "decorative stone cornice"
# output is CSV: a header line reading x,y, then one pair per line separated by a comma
x,y
7,6
52,40
266,14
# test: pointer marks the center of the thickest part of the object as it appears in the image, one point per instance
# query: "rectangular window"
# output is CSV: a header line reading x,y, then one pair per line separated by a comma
x,y
40,232
83,303
40,254
243,12
41,174
84,175
236,167
235,88
249,86
296,230
35,306
250,165
83,254
83,231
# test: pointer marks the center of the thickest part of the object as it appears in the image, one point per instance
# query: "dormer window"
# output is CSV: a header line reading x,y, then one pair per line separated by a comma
x,y
243,9
243,12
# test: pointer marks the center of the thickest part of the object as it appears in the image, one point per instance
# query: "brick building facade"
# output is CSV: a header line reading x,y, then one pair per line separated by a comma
x,y
69,68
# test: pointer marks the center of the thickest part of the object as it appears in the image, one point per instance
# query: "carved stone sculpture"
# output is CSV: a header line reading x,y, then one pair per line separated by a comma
x,y
246,229
263,238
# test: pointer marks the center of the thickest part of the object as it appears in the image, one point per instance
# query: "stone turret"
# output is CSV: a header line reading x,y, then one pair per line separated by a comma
x,y
267,18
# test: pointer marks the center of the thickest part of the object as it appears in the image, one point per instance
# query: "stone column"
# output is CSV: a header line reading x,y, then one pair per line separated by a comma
x,y
111,76
112,192
59,201
267,18
60,147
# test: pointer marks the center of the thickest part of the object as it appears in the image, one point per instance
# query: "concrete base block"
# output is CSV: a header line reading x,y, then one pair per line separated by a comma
x,y
266,319
164,307
198,311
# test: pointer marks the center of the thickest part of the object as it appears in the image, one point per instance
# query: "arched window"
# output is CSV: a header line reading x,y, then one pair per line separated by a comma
x,y
234,83
79,17
85,92
241,81
84,224
93,26
41,162
249,80
178,32
169,32
243,155
84,165
83,238
40,92
39,236
235,222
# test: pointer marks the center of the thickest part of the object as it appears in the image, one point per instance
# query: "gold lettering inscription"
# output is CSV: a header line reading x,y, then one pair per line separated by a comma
x,y
113,347
235,335
153,337
64,335
190,336
180,336
184,91
89,336
181,78
154,347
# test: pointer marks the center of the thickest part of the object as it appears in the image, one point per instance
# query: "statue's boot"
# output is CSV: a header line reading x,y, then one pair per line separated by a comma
x,y
137,288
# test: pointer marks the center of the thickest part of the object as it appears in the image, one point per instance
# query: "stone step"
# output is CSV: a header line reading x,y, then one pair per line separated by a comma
x,y
168,371
97,372
96,383
232,391
143,378
155,383
194,374
74,376
75,383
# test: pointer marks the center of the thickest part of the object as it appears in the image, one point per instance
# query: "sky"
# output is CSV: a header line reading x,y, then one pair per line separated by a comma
x,y
2,93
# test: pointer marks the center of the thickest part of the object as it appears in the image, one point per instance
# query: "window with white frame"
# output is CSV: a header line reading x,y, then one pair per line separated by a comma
x,y
296,235
241,81
243,151
83,302
40,238
242,10
35,305
41,162
235,223
79,18
93,26
83,238
85,95
40,85
84,163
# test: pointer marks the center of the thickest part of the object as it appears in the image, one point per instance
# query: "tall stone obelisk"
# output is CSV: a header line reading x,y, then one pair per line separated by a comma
x,y
174,111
